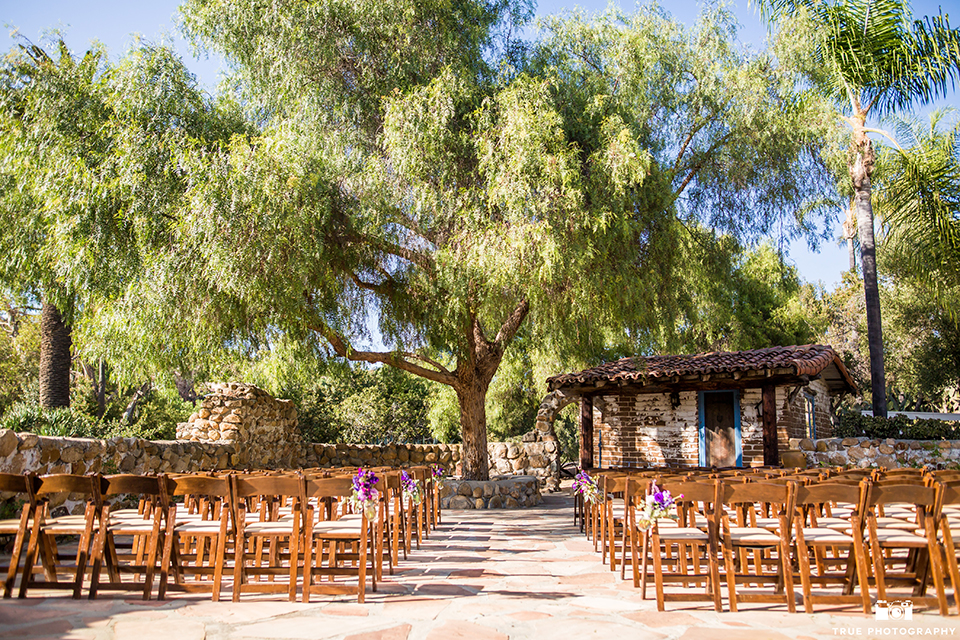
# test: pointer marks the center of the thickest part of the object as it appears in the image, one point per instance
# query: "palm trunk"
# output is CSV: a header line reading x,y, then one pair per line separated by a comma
x,y
55,344
473,423
860,172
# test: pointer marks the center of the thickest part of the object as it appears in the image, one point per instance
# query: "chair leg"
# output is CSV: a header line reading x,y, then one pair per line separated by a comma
x,y
18,551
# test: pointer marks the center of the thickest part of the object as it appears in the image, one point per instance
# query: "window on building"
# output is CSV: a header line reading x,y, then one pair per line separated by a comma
x,y
809,415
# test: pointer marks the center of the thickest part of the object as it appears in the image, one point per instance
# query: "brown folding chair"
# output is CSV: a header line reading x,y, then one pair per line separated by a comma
x,y
949,528
144,525
744,537
814,539
46,528
196,534
24,486
343,540
683,552
275,524
922,558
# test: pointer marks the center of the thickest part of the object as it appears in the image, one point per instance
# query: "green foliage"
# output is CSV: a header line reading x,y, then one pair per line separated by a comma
x,y
874,50
19,358
361,405
854,424
48,422
444,415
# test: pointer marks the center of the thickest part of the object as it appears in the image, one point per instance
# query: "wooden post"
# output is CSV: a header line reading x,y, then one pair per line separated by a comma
x,y
586,432
771,450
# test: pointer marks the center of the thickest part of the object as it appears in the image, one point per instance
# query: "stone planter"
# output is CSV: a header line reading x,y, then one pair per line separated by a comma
x,y
504,492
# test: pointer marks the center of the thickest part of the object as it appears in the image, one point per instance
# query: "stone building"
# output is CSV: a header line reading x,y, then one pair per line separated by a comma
x,y
720,409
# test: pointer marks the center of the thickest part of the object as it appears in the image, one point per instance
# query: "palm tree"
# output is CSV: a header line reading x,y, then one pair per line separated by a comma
x,y
918,199
876,61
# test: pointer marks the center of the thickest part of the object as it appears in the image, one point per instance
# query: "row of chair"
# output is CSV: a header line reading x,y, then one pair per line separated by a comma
x,y
840,534
271,531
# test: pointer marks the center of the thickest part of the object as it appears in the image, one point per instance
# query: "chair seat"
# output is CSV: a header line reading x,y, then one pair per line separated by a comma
x,y
825,535
896,523
277,528
337,527
753,536
771,524
66,528
900,538
198,527
682,533
827,522
11,525
129,526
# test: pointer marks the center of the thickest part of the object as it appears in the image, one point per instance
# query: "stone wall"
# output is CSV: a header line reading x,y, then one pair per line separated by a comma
x,y
505,492
867,452
243,414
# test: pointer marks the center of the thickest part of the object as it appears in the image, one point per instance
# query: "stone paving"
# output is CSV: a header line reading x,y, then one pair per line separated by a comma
x,y
484,575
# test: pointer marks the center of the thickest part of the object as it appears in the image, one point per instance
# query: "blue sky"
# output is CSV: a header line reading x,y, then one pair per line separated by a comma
x,y
116,23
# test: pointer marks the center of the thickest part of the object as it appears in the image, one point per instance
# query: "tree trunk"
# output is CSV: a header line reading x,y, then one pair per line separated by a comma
x,y
860,172
55,343
473,423
101,388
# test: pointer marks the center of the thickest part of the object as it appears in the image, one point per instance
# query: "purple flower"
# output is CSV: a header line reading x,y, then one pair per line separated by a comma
x,y
438,471
363,485
409,484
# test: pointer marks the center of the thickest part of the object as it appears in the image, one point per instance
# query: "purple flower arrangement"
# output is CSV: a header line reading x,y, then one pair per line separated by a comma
x,y
658,505
586,487
439,475
411,488
365,495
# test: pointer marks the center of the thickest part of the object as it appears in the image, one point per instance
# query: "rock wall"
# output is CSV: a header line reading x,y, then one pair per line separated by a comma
x,y
237,413
867,452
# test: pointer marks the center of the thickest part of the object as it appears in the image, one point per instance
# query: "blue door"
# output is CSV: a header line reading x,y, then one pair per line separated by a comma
x,y
720,429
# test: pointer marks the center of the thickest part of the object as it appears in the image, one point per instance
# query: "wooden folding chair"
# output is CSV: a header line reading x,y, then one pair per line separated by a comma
x,y
922,558
768,548
683,552
144,525
273,527
196,534
46,528
949,528
24,486
329,539
814,538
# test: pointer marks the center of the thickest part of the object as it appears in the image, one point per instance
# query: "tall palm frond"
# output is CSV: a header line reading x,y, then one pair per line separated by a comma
x,y
918,199
881,56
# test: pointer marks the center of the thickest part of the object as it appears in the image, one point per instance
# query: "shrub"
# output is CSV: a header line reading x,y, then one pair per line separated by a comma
x,y
49,422
852,424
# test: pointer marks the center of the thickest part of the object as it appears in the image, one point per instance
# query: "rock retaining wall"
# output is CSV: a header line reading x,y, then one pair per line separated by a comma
x,y
242,414
867,452
504,492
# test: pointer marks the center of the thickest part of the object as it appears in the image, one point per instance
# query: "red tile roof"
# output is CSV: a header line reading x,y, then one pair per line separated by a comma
x,y
809,359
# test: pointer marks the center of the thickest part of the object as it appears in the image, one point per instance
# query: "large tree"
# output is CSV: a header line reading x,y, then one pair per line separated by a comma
x,y
873,60
421,170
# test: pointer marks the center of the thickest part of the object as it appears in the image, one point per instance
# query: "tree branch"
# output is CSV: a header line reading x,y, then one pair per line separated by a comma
x,y
512,324
394,359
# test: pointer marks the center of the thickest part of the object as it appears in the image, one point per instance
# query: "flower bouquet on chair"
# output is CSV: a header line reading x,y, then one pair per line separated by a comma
x,y
657,505
411,488
587,488
439,475
365,495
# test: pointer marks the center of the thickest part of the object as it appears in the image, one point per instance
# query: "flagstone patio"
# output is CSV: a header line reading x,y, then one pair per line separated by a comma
x,y
484,575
